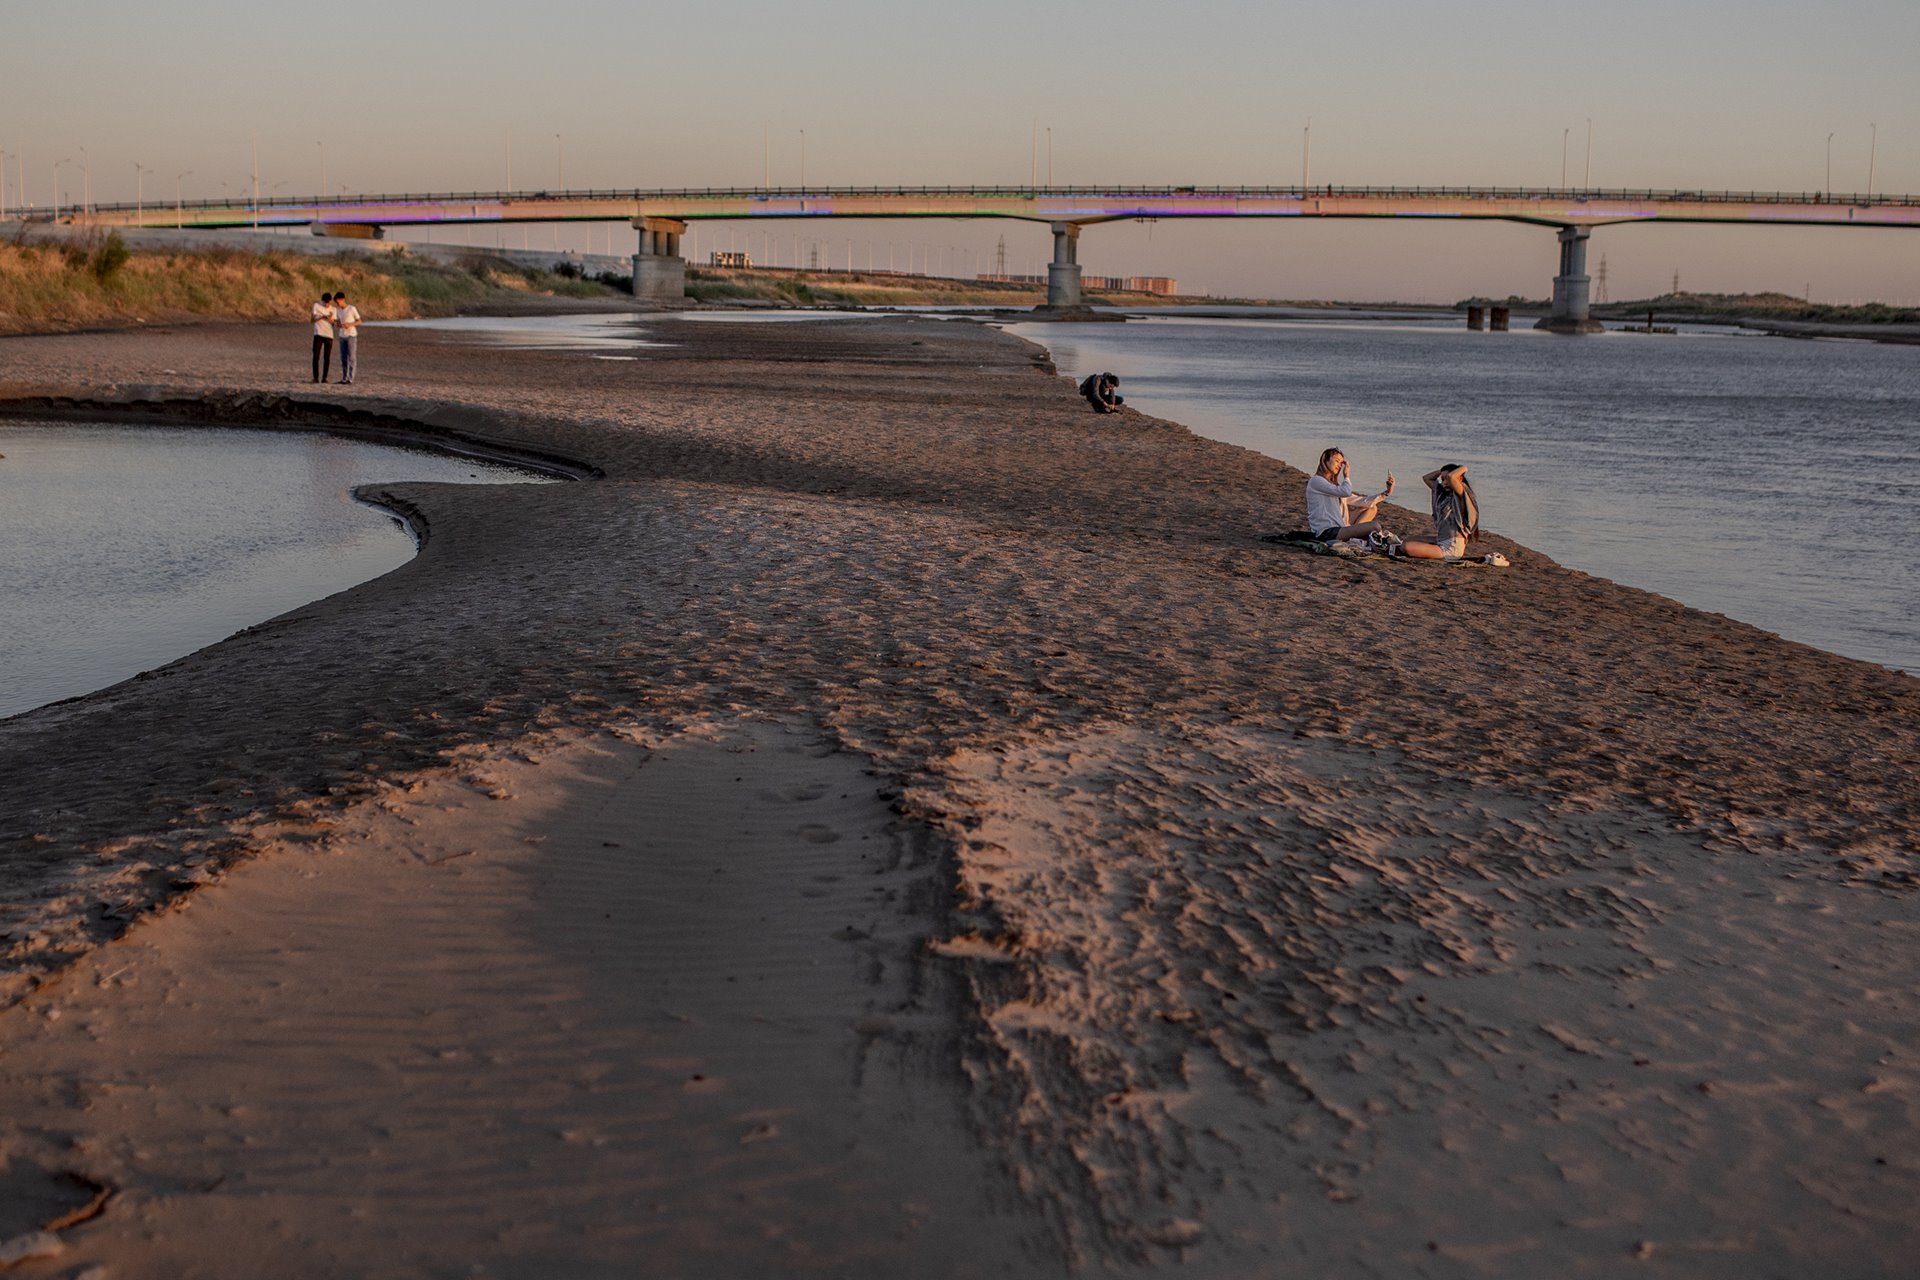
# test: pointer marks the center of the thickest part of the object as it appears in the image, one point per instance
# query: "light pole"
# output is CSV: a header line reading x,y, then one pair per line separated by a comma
x,y
509,134
178,220
323,168
56,184
139,191
1829,166
1306,156
803,179
1588,181
1563,156
1873,148
1049,155
560,162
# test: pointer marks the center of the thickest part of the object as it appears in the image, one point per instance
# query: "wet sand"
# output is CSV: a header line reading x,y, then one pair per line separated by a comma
x,y
1098,888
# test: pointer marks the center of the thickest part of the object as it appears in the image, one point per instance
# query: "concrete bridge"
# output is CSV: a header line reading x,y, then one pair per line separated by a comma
x,y
661,217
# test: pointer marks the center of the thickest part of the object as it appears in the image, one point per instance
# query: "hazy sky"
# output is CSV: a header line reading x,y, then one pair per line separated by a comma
x,y
414,95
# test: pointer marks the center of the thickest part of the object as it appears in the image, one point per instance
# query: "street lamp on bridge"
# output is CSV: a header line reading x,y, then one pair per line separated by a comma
x,y
178,220
139,205
56,184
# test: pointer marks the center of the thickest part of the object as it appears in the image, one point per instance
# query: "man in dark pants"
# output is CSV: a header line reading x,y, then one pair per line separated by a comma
x,y
323,337
1100,393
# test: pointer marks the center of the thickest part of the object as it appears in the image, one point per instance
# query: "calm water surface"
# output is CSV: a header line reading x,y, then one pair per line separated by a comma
x,y
1773,480
123,548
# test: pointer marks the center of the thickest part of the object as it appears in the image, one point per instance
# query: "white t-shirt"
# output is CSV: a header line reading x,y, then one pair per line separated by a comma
x,y
322,320
347,320
1327,503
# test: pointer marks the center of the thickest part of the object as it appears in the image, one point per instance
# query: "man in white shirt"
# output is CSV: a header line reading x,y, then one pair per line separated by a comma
x,y
346,323
323,337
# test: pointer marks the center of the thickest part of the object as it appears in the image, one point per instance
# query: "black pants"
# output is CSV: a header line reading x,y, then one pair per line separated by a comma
x,y
322,357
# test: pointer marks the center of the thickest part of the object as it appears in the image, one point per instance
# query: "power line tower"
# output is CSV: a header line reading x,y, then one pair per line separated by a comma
x,y
1676,282
813,257
1600,281
1000,259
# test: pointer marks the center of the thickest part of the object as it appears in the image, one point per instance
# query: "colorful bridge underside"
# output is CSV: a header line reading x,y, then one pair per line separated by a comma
x,y
661,216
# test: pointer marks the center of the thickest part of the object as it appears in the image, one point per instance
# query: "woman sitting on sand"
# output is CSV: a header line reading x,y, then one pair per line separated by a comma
x,y
1334,511
1456,516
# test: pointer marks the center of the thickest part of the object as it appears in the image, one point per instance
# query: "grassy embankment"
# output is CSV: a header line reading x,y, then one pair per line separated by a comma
x,y
50,287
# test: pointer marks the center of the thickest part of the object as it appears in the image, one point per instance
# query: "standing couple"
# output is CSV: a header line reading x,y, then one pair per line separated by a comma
x,y
1335,512
334,315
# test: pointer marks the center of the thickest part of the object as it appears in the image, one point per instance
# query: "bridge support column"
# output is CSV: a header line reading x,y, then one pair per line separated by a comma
x,y
659,272
1570,288
1063,273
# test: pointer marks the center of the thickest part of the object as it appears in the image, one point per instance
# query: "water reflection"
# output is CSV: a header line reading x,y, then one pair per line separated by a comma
x,y
123,548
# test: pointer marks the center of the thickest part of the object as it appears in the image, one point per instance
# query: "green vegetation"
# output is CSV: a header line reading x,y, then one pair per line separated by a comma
x,y
52,286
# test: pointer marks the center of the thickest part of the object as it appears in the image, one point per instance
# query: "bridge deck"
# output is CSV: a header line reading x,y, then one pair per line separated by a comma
x,y
1048,204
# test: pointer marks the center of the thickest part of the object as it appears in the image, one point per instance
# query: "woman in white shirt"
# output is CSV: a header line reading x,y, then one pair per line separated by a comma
x,y
1334,510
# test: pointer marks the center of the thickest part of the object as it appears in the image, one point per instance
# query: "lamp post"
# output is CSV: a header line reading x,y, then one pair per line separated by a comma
x,y
1873,147
1587,182
178,220
1306,156
1049,155
803,180
323,168
1563,156
1829,166
86,183
560,162
139,191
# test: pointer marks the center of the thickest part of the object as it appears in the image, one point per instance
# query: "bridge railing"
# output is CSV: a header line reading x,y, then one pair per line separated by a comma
x,y
248,205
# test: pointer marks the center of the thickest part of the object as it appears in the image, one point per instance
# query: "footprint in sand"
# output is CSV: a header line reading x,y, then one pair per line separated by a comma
x,y
818,833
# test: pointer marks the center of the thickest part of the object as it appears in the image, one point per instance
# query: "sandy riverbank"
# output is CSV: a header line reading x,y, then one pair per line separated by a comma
x,y
899,823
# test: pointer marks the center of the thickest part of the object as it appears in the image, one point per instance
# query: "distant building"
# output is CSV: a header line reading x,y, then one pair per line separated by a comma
x,y
728,258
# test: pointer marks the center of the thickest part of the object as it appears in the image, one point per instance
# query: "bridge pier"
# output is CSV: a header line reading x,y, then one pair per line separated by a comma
x,y
1570,288
1063,273
659,272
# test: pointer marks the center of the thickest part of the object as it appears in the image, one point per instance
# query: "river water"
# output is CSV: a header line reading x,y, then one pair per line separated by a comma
x,y
123,548
1773,480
